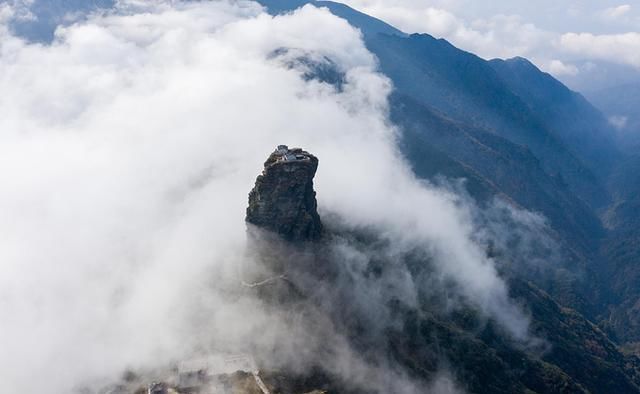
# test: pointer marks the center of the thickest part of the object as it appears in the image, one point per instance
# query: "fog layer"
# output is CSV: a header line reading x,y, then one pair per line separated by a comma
x,y
127,149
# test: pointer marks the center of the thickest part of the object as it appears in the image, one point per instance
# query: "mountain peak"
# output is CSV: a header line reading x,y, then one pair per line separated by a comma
x,y
283,200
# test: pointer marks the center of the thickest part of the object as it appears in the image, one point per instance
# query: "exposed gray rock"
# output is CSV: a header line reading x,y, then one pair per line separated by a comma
x,y
283,200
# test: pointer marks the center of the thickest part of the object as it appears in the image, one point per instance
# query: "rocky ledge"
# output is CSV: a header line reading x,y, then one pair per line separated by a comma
x,y
283,200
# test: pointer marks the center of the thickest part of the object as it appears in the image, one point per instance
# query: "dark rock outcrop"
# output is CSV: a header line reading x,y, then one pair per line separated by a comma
x,y
283,200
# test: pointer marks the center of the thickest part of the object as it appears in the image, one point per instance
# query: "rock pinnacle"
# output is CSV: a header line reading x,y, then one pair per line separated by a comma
x,y
283,200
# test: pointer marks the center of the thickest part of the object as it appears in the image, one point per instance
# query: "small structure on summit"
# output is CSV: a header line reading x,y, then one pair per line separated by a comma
x,y
283,200
283,153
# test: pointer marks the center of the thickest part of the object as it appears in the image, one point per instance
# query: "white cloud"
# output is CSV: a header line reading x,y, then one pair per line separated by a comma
x,y
616,12
619,122
17,10
617,48
127,148
435,21
497,36
557,67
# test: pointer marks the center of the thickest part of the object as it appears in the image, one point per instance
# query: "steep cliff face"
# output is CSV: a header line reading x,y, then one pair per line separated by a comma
x,y
283,200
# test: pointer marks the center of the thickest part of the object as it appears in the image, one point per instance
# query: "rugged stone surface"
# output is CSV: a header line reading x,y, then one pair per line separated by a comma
x,y
283,200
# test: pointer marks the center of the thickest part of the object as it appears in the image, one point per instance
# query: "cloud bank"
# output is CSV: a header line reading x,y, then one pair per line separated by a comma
x,y
624,48
127,149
